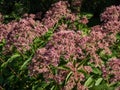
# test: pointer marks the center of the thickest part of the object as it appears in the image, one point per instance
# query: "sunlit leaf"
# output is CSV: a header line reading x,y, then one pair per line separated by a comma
x,y
89,82
96,71
68,76
98,81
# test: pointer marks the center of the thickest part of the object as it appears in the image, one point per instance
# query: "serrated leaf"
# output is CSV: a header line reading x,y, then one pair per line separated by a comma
x,y
98,81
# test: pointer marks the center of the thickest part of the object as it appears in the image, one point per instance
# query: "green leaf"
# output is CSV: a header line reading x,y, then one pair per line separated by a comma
x,y
53,69
1,79
102,87
26,63
98,81
13,57
89,15
1,44
96,71
40,88
118,36
11,78
44,85
89,82
62,61
82,71
33,87
82,63
64,67
53,87
68,76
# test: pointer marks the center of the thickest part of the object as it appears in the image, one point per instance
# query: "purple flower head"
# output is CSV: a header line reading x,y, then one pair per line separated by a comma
x,y
53,15
113,70
23,32
111,13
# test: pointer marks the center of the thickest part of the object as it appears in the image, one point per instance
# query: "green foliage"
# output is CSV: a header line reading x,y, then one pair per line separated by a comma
x,y
14,9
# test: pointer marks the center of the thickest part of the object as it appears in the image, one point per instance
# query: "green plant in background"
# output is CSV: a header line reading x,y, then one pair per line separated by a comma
x,y
13,9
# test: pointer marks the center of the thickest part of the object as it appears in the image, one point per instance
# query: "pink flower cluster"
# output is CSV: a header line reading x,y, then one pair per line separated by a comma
x,y
76,76
111,14
71,44
111,17
21,34
67,43
62,43
103,36
57,11
3,31
112,69
47,56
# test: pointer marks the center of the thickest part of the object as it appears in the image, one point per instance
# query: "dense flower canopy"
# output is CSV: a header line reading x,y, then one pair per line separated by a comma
x,y
67,43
